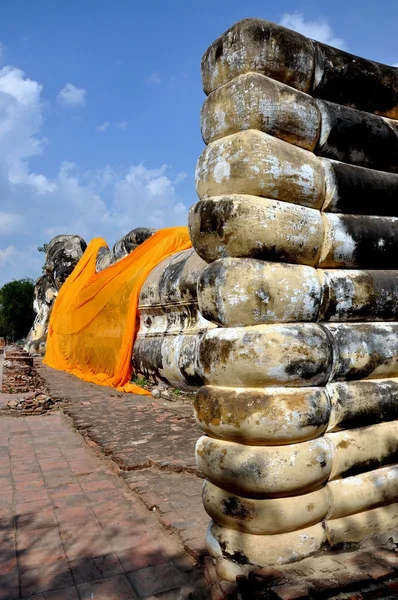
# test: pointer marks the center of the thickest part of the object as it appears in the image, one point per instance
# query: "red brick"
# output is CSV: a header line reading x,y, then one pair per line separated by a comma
x,y
83,547
122,540
216,592
82,467
34,484
76,514
56,474
51,465
32,496
293,591
157,579
266,574
8,563
392,586
112,588
391,558
19,477
69,593
44,518
228,588
95,486
94,568
103,496
9,588
210,572
69,489
32,507
145,555
40,557
46,578
71,501
43,536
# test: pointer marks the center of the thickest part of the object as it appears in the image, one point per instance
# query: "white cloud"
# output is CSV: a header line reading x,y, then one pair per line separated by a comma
x,y
180,177
153,78
103,128
318,29
395,64
107,202
9,222
70,95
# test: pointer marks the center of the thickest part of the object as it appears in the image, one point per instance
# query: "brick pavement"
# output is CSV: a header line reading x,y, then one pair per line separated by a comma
x,y
150,442
71,530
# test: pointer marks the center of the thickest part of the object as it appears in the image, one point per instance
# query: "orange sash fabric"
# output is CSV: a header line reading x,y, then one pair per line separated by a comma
x,y
94,321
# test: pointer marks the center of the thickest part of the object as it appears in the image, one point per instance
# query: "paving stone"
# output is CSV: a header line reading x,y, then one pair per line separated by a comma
x,y
156,579
152,443
46,578
94,568
297,591
69,543
112,588
69,593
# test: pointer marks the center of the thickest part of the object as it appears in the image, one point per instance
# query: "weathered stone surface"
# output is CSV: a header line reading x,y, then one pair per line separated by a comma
x,y
255,45
234,292
263,47
172,282
359,242
351,495
363,448
361,403
253,101
285,354
122,247
245,548
355,295
264,517
62,255
252,227
350,80
166,347
356,190
168,357
328,317
45,293
262,416
253,162
356,137
364,524
240,292
265,471
363,350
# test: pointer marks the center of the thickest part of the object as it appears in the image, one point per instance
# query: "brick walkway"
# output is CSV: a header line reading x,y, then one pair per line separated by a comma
x,y
71,530
151,443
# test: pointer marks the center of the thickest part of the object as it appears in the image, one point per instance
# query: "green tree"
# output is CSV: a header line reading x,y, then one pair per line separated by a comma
x,y
43,248
16,308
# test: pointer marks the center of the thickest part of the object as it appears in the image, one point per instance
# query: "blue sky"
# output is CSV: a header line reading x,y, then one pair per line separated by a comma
x,y
100,104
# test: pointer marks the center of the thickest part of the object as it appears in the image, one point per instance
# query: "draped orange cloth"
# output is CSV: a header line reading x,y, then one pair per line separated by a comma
x,y
94,321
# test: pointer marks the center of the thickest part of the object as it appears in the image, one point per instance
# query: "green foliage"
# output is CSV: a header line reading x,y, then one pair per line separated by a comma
x,y
43,248
16,309
140,380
